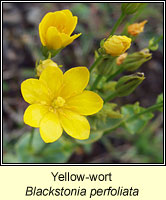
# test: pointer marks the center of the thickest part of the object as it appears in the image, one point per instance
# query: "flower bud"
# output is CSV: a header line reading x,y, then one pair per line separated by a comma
x,y
55,29
136,28
121,58
109,86
106,66
117,45
130,8
43,64
135,60
127,84
109,111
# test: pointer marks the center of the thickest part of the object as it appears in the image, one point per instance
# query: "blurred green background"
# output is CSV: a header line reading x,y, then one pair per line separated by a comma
x,y
21,49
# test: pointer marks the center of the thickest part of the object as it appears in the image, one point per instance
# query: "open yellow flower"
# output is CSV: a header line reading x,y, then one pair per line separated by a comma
x,y
56,28
137,28
59,101
116,45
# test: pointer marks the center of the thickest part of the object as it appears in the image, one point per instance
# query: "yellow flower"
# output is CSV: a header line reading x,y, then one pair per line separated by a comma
x,y
44,64
56,28
59,101
121,58
116,45
137,28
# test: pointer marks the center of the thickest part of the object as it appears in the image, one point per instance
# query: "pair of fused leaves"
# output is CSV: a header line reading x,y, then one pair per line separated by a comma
x,y
108,118
136,123
57,152
129,118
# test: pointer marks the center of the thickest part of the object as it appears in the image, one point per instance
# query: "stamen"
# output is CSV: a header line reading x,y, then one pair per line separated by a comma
x,y
58,102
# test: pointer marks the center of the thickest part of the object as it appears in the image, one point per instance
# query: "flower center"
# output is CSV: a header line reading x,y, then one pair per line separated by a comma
x,y
58,102
61,28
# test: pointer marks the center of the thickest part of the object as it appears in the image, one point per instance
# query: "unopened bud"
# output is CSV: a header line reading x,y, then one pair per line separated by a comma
x,y
121,58
109,111
106,66
136,28
130,8
43,64
127,84
109,86
117,45
133,61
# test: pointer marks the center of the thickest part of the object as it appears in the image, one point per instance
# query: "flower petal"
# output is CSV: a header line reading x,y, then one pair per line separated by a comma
x,y
66,39
34,91
71,22
56,19
71,25
75,81
43,26
53,39
67,12
34,113
53,78
50,128
86,103
74,124
59,20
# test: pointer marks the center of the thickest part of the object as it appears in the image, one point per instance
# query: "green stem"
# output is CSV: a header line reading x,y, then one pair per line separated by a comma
x,y
49,55
96,63
94,86
133,19
158,40
115,74
150,109
115,127
138,13
31,138
108,62
118,23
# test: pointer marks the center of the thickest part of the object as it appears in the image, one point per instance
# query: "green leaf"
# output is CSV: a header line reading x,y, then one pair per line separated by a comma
x,y
10,158
152,45
96,54
109,110
98,124
159,100
137,123
102,42
98,127
57,152
94,136
49,53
